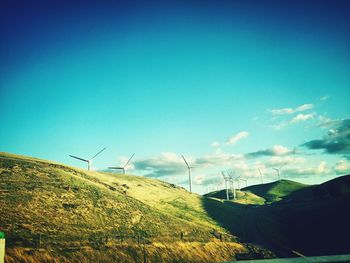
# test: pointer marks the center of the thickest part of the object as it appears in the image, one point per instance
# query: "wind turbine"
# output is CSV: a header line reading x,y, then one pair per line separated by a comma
x,y
123,167
261,176
239,185
227,179
233,180
89,161
244,180
189,173
278,171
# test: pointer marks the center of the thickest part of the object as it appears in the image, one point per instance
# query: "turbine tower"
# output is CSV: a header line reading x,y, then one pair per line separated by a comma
x,y
227,179
278,172
261,176
233,181
189,173
123,167
244,180
88,161
239,184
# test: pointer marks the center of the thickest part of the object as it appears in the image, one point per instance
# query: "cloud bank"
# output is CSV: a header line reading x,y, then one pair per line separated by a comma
x,y
277,150
284,111
336,141
237,137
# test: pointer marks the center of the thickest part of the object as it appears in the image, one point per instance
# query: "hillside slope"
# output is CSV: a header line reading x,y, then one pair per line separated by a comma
x,y
262,193
337,188
242,197
308,219
51,205
313,220
275,191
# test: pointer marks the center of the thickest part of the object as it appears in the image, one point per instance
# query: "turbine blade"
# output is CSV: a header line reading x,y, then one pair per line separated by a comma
x,y
129,160
223,174
183,157
98,153
81,159
119,168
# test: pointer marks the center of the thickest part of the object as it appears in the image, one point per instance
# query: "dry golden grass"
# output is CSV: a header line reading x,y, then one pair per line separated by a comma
x,y
156,252
75,210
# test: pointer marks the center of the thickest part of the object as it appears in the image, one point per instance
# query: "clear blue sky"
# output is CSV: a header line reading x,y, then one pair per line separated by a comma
x,y
173,77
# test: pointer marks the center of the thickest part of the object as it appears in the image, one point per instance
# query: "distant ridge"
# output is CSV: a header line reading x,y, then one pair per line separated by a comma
x,y
338,188
275,191
262,193
243,197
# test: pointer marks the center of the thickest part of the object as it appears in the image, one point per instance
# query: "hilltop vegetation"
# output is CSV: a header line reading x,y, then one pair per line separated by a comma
x,y
261,194
275,191
242,197
72,214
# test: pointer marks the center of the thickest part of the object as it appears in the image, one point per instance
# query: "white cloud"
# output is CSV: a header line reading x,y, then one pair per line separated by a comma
x,y
241,165
171,164
285,160
302,117
215,144
218,159
327,123
198,179
324,98
342,167
123,160
280,150
321,169
259,165
166,164
304,107
277,150
237,137
284,111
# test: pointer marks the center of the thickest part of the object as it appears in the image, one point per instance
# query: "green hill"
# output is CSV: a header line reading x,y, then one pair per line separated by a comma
x,y
262,193
242,197
275,191
63,213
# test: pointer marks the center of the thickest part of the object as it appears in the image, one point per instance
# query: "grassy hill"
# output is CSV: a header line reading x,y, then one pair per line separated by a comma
x,y
275,191
70,215
242,197
262,193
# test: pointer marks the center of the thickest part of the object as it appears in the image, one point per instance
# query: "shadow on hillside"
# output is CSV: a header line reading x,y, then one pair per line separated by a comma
x,y
313,222
229,215
336,189
314,227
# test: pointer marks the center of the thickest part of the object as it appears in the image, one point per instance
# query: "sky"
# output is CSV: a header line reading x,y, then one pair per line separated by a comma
x,y
232,85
